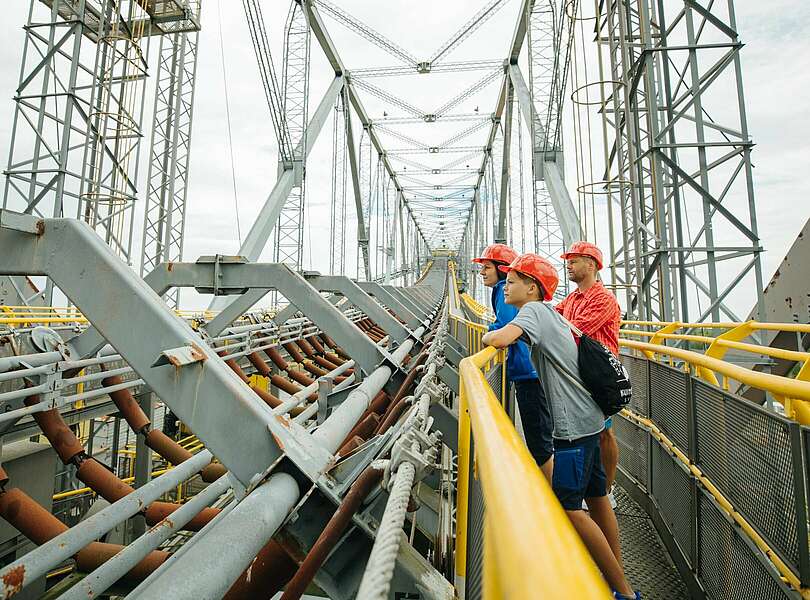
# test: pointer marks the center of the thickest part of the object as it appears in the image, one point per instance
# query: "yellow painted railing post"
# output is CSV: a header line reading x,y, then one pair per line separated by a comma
x,y
463,493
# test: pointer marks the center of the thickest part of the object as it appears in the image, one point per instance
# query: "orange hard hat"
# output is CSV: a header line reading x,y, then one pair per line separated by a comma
x,y
498,253
585,249
537,268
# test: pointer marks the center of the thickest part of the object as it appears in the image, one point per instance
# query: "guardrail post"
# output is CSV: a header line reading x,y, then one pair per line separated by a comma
x,y
648,414
800,494
463,492
694,492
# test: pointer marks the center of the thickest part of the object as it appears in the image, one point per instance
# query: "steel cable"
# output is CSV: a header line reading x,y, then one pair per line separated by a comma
x,y
380,568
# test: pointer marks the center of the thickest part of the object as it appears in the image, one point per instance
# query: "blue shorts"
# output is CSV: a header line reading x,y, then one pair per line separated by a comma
x,y
578,471
608,422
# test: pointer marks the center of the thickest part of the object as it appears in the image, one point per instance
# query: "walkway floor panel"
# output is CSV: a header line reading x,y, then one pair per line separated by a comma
x,y
646,561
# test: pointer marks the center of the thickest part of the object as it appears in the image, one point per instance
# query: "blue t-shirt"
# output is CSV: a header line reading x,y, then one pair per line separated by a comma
x,y
518,361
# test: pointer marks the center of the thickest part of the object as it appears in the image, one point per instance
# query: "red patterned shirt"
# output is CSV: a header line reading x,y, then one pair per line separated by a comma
x,y
596,312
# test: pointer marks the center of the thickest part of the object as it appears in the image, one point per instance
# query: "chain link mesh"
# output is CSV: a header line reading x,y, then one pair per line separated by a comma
x,y
475,537
633,448
668,400
746,452
671,490
639,377
730,568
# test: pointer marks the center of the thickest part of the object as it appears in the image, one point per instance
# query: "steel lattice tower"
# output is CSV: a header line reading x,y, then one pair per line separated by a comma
x,y
77,120
680,170
165,215
289,240
337,230
548,39
365,158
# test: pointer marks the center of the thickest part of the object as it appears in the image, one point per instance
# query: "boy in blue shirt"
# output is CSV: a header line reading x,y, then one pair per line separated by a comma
x,y
535,415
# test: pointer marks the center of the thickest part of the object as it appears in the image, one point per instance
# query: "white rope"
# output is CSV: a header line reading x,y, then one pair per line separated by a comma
x,y
380,568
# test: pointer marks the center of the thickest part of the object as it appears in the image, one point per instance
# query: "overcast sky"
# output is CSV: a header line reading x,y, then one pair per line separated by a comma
x,y
776,68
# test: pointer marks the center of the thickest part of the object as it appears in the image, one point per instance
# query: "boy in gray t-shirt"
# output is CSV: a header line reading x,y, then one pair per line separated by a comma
x,y
578,421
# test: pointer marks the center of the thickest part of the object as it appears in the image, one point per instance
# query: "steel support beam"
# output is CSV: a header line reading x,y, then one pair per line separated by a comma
x,y
355,295
560,198
233,277
354,171
384,296
234,310
256,239
414,306
202,390
500,234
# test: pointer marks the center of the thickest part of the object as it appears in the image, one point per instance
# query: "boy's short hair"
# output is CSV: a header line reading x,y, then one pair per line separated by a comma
x,y
528,279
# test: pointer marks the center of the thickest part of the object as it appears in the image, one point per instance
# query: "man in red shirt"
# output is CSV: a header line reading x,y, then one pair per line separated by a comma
x,y
594,310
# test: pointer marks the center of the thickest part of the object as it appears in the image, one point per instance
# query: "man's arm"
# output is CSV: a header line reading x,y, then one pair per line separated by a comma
x,y
503,337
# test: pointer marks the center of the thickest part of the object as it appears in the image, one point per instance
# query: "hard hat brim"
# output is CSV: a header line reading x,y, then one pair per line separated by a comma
x,y
568,255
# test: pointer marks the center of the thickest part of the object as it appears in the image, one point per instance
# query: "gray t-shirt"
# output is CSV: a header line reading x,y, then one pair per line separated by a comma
x,y
575,413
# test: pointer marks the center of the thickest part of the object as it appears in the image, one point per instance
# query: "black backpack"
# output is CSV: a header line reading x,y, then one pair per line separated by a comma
x,y
601,374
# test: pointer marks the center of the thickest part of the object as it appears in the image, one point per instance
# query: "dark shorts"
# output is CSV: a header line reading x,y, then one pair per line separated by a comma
x,y
578,471
535,417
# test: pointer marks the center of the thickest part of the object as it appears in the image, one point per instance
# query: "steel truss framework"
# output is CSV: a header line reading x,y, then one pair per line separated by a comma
x,y
288,471
167,181
157,348
76,132
337,230
679,174
549,39
290,229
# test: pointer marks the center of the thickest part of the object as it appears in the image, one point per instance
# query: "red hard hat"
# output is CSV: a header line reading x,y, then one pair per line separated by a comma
x,y
585,249
537,268
499,253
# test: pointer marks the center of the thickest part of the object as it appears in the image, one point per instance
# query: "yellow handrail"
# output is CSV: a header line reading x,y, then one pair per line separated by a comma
x,y
793,393
532,550
731,338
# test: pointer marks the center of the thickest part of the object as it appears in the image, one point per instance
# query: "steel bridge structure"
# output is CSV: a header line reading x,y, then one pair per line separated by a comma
x,y
353,438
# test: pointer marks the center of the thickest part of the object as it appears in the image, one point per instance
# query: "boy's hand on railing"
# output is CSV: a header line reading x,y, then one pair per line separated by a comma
x,y
503,337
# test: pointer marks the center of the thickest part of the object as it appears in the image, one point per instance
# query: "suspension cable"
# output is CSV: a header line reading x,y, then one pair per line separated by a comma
x,y
228,120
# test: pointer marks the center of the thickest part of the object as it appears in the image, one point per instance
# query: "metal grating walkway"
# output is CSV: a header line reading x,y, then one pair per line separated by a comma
x,y
646,561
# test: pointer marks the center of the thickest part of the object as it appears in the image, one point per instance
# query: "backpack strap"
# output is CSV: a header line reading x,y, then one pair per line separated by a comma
x,y
565,371
577,331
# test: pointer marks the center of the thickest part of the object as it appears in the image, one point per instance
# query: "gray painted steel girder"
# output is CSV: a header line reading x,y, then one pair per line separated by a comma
x,y
384,296
262,227
349,289
219,556
277,276
560,198
409,299
222,410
